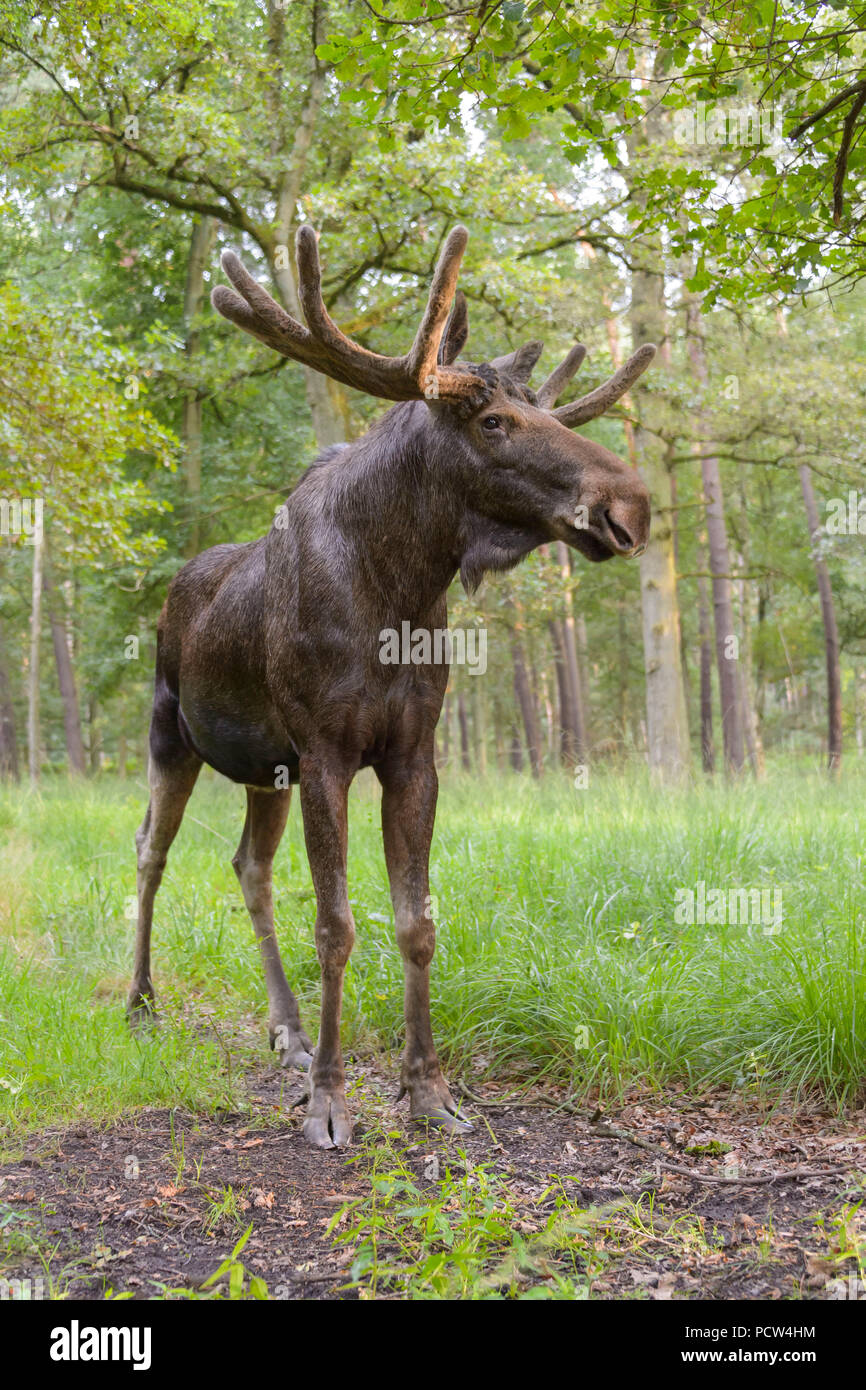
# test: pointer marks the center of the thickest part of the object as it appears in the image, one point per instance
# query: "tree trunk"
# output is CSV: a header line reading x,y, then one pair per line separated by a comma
x,y
563,636
667,747
549,720
33,750
9,765
465,760
684,651
200,247
516,750
761,674
527,707
499,736
751,729
567,735
831,631
708,752
479,710
720,568
94,740
667,727
65,678
583,671
572,665
723,610
746,590
622,677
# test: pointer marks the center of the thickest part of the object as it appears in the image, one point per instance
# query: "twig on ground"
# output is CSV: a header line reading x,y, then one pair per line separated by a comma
x,y
663,1158
605,1131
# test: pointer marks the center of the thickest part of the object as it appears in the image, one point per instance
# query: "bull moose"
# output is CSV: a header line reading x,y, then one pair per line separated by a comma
x,y
268,656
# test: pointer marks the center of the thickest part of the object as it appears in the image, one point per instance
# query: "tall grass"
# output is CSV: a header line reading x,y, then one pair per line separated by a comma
x,y
558,949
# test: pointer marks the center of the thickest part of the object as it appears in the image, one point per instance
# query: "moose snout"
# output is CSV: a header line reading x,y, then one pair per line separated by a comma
x,y
625,523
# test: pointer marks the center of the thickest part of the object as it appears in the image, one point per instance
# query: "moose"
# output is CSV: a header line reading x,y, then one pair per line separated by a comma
x,y
268,656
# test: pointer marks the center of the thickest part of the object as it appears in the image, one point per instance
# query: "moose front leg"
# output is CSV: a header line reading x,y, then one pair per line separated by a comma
x,y
409,791
324,794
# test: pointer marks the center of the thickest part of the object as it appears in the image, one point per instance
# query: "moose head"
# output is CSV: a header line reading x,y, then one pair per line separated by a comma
x,y
506,450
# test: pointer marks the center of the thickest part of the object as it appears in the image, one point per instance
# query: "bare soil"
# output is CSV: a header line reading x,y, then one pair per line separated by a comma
x,y
119,1208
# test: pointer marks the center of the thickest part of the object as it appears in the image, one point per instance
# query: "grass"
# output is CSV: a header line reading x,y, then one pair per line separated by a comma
x,y
469,1233
466,1236
225,1209
559,954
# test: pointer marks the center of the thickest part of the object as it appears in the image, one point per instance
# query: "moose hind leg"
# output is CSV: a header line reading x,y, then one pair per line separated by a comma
x,y
266,820
171,785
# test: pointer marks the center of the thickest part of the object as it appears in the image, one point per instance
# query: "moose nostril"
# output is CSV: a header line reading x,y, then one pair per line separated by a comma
x,y
620,534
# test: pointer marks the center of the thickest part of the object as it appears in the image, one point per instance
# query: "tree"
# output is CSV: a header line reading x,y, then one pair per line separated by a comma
x,y
727,650
9,768
68,430
831,631
65,676
667,725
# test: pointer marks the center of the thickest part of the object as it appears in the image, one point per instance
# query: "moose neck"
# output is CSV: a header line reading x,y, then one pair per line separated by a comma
x,y
398,496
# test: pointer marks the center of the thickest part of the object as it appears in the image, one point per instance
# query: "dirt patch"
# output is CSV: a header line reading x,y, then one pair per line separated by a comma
x,y
157,1201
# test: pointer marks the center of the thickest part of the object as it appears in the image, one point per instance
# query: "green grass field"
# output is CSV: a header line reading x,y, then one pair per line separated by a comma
x,y
558,953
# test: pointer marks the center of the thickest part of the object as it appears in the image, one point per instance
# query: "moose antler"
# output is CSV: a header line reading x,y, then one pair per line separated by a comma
x,y
596,402
324,348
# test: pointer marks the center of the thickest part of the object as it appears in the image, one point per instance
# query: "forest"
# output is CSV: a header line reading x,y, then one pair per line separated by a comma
x,y
141,428
613,739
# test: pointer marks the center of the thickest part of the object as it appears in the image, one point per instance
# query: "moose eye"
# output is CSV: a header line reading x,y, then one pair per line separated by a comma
x,y
491,422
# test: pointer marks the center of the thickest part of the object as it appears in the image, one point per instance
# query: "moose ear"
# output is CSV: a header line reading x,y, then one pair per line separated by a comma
x,y
456,331
518,365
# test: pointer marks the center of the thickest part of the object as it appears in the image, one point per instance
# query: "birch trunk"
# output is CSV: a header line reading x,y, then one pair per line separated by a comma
x,y
65,678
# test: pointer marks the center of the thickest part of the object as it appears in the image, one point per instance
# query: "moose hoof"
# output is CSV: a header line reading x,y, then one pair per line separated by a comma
x,y
448,1121
140,1010
432,1105
293,1047
328,1124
